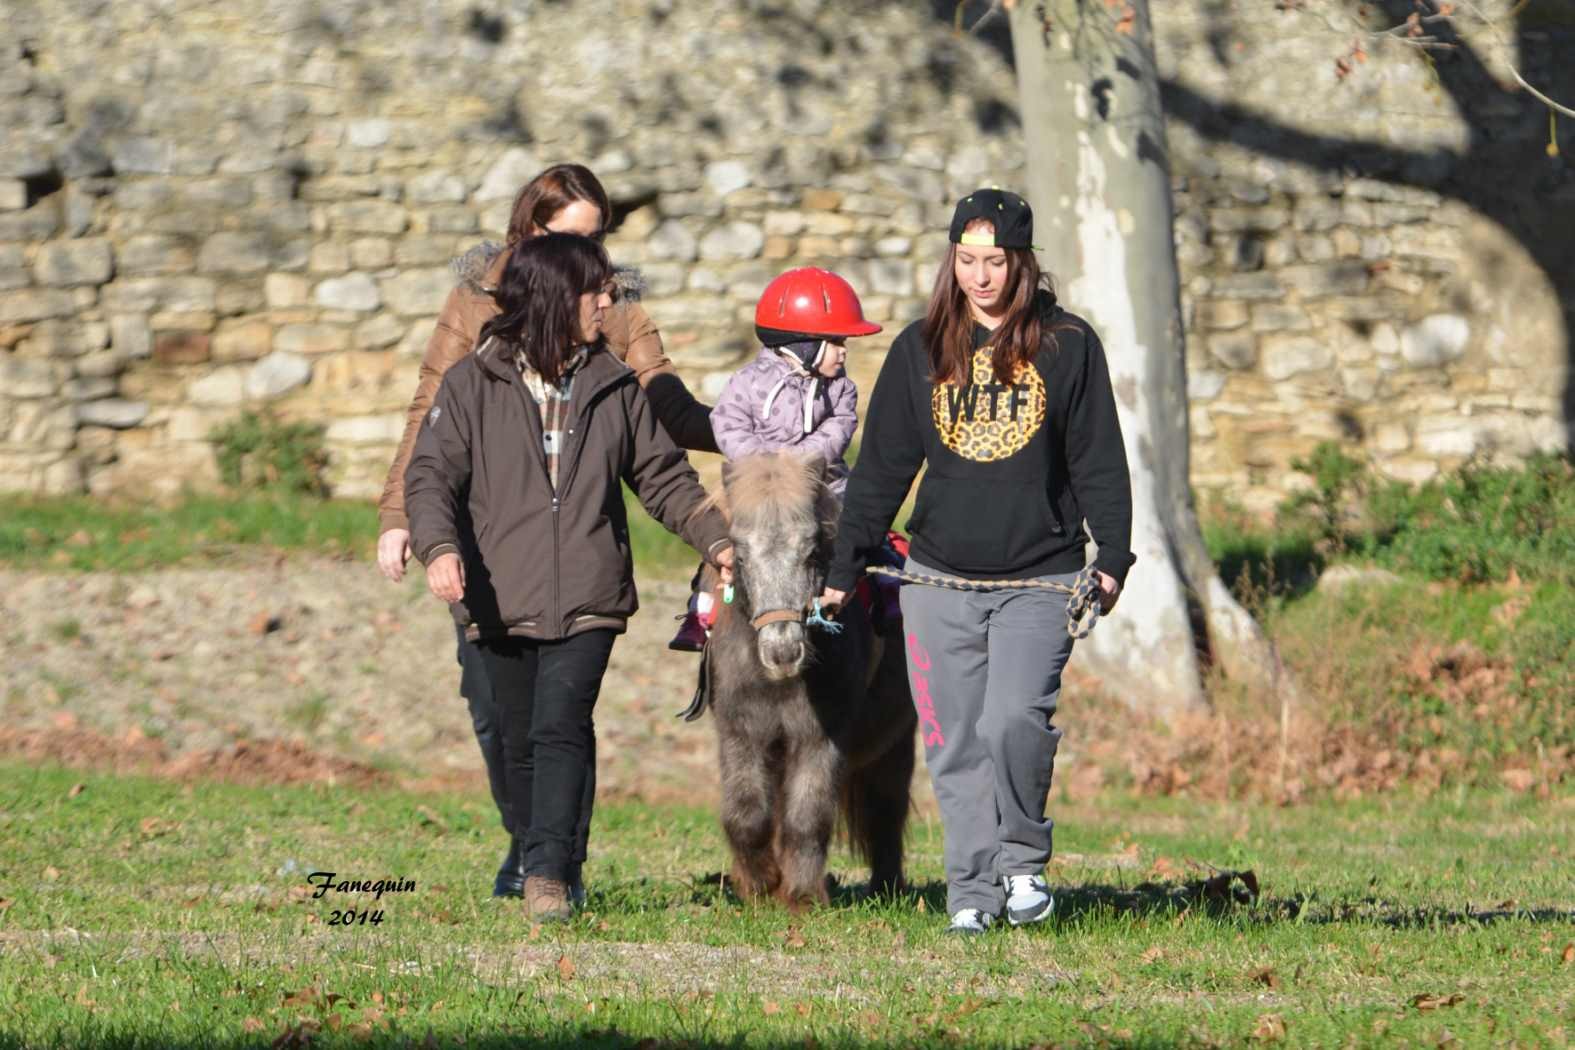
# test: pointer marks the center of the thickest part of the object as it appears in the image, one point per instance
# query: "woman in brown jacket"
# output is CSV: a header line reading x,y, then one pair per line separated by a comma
x,y
516,509
565,198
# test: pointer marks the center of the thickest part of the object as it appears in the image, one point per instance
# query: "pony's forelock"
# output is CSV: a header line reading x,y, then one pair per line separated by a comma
x,y
777,480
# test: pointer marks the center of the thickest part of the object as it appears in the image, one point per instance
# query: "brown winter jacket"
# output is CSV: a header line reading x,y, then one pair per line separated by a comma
x,y
541,563
630,335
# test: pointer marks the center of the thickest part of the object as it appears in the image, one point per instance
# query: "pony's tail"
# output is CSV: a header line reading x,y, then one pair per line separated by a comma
x,y
875,802
855,805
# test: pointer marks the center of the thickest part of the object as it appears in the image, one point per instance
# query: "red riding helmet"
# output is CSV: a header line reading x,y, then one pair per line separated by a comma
x,y
810,302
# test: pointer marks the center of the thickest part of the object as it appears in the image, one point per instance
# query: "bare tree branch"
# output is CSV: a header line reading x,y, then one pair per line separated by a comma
x,y
1413,32
1539,96
997,9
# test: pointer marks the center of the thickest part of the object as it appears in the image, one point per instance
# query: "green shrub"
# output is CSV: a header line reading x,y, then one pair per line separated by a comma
x,y
1339,484
1479,523
260,452
1476,524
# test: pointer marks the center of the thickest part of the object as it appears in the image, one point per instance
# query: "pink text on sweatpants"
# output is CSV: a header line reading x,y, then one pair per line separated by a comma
x,y
921,693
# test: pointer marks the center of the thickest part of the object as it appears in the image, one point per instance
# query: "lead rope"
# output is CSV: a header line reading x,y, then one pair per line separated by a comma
x,y
1082,606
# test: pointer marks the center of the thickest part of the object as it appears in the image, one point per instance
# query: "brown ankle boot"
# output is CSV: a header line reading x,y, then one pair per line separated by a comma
x,y
547,900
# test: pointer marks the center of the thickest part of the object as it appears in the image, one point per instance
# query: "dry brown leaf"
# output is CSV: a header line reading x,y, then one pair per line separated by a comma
x,y
1152,955
1266,977
565,968
265,623
1435,1002
1567,957
75,790
297,1036
920,907
1518,780
305,997
253,1024
794,939
1269,1029
51,873
770,1009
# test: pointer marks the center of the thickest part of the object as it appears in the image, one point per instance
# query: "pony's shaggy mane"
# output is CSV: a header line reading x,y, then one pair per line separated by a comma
x,y
771,480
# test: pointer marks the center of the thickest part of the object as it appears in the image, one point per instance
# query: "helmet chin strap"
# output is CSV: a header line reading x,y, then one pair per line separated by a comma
x,y
814,386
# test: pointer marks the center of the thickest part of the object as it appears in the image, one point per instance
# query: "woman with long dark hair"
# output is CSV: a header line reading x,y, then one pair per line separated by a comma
x,y
1007,398
565,198
516,509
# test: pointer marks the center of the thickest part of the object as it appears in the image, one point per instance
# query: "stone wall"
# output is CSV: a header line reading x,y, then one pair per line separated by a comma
x,y
203,210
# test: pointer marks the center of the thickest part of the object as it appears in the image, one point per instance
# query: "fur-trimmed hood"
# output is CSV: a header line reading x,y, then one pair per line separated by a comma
x,y
477,270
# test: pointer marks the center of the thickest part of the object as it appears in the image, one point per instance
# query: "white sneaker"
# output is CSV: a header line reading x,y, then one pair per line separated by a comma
x,y
1028,899
969,922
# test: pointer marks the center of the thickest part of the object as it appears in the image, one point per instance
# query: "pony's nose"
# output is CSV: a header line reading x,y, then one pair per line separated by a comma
x,y
782,647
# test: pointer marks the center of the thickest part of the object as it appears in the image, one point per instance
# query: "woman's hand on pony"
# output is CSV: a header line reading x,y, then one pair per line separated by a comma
x,y
446,577
723,559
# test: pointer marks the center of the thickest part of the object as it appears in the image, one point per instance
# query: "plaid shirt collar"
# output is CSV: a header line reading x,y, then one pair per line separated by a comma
x,y
554,402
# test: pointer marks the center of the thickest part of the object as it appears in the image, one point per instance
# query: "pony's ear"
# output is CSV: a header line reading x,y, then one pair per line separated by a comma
x,y
820,469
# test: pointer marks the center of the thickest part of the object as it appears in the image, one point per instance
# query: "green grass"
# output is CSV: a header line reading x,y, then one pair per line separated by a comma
x,y
140,912
86,534
83,534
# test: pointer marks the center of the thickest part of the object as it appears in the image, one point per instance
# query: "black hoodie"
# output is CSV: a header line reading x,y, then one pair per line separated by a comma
x,y
1014,471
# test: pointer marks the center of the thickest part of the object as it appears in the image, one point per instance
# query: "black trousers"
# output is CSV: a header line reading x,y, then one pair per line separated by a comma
x,y
539,734
476,688
475,685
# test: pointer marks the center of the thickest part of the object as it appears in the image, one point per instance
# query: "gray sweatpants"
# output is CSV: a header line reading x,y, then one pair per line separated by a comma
x,y
985,667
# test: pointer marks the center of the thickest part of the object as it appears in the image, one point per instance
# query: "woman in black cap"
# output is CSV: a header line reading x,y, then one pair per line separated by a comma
x,y
1007,398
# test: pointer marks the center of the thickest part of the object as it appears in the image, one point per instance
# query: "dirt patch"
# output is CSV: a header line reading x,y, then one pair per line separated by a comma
x,y
273,762
65,745
303,669
313,669
243,762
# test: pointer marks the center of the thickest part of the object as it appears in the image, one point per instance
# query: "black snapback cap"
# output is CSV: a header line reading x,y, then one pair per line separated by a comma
x,y
1012,217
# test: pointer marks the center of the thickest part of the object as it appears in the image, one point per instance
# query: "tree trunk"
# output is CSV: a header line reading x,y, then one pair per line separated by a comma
x,y
1098,177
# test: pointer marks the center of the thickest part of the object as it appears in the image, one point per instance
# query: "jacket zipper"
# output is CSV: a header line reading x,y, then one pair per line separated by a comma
x,y
580,411
576,419
526,401
565,477
557,599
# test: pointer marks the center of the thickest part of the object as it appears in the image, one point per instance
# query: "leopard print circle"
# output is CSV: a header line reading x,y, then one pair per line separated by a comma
x,y
984,421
